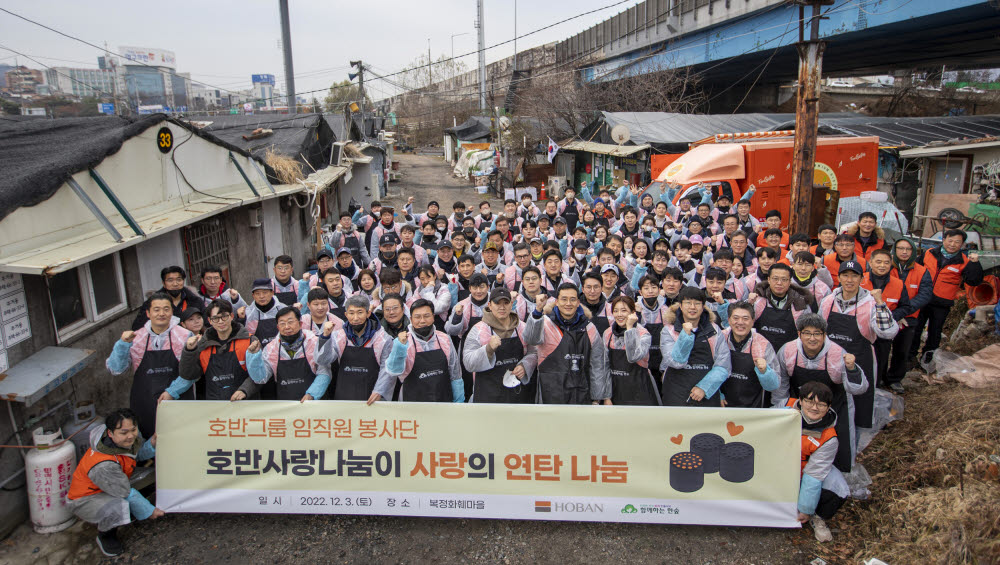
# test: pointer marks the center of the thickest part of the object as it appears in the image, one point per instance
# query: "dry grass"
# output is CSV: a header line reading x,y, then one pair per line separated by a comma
x,y
287,169
935,492
352,151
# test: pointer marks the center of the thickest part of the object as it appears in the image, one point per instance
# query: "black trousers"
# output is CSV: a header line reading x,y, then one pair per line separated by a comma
x,y
882,348
900,353
933,316
828,504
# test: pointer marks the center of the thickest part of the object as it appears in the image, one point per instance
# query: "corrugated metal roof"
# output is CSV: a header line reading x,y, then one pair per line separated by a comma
x,y
604,148
935,150
910,132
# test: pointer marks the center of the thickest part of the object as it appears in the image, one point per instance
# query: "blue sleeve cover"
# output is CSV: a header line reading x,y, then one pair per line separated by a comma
x,y
809,490
147,451
118,361
138,505
396,362
682,348
179,387
458,390
256,367
319,385
768,379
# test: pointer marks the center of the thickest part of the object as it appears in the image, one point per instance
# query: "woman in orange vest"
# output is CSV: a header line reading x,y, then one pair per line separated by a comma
x,y
220,357
950,268
100,492
895,297
822,489
918,283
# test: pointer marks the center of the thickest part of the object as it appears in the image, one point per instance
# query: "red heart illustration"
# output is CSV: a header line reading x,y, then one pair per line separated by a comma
x,y
734,430
677,439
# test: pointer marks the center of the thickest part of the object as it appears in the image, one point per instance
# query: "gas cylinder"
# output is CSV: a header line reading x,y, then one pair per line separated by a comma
x,y
49,469
83,413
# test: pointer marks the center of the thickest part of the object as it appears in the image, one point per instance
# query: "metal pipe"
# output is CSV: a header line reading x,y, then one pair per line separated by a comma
x,y
116,202
244,175
262,175
94,209
15,427
286,48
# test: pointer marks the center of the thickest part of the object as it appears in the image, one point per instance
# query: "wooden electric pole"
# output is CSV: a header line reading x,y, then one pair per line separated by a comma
x,y
806,117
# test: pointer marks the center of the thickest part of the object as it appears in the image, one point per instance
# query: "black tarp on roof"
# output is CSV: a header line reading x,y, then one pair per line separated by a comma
x,y
476,128
910,132
338,125
38,156
307,138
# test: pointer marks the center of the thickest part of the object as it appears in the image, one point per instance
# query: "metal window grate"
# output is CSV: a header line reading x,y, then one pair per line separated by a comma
x,y
205,245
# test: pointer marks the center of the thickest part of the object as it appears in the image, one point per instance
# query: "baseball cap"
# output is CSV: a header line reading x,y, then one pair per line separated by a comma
x,y
610,267
490,245
433,203
387,239
445,243
850,266
559,220
265,284
186,314
697,239
499,293
343,250
535,240
478,279
322,253
581,244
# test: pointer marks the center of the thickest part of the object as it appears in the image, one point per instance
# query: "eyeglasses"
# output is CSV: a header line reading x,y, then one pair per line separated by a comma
x,y
811,334
220,318
814,402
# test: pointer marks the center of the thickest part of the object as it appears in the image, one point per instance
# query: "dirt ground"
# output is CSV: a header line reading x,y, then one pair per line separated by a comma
x,y
227,538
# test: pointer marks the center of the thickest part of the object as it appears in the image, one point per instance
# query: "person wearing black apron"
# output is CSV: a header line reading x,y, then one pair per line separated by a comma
x,y
346,236
778,304
627,345
698,361
158,365
652,311
754,370
572,366
813,357
358,348
297,361
466,314
569,208
284,284
594,301
845,328
494,347
424,359
218,358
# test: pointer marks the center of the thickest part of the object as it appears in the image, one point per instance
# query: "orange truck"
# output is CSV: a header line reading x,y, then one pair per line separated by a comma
x,y
736,163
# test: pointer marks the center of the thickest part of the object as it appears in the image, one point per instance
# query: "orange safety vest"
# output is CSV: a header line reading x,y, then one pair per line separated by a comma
x,y
832,264
238,345
762,241
912,282
82,486
810,443
879,244
948,280
892,292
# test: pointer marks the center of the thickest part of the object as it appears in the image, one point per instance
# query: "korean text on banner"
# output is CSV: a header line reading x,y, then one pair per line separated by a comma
x,y
713,466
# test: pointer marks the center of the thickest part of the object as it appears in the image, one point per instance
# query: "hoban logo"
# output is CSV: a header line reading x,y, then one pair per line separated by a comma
x,y
572,507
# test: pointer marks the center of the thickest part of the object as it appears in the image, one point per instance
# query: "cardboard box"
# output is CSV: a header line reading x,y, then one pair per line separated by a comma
x,y
515,193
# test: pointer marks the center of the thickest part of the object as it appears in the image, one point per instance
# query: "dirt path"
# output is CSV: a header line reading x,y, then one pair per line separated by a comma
x,y
427,178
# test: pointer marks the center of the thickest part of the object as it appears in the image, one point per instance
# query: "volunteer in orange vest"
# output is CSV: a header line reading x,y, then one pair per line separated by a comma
x,y
772,220
895,297
822,489
950,268
867,235
100,492
843,250
219,356
918,283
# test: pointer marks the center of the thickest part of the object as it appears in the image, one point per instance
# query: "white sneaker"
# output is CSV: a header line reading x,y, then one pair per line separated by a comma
x,y
819,529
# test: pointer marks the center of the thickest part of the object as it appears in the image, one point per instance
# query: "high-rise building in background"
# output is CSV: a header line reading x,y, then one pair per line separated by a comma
x,y
263,90
81,83
151,81
22,80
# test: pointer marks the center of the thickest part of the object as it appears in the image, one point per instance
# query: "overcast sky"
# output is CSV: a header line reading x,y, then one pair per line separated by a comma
x,y
223,43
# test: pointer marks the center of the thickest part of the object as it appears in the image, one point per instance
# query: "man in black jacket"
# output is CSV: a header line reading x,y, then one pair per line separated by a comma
x,y
181,297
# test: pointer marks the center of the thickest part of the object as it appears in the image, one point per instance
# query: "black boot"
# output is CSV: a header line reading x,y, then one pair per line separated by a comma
x,y
109,543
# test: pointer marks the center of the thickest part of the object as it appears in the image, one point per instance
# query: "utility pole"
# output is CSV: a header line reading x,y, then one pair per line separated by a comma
x,y
430,77
480,25
515,35
361,83
806,117
286,48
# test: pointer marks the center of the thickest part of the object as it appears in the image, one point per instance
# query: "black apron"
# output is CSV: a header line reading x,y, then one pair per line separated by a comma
x,y
224,373
655,355
571,213
600,321
777,326
336,309
357,374
677,383
467,378
353,244
293,378
286,298
488,385
799,377
266,331
843,330
153,375
631,383
429,379
564,376
742,389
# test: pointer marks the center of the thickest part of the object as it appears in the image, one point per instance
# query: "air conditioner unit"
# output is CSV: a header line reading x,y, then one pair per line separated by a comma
x,y
254,217
337,153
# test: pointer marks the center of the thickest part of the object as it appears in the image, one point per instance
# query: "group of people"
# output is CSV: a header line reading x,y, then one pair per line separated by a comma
x,y
631,296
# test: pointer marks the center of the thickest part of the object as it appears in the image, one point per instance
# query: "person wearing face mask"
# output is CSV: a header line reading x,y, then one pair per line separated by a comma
x,y
361,346
579,258
424,360
467,313
153,352
387,225
527,210
387,256
571,359
754,364
297,361
181,297
855,319
918,284
627,348
365,222
695,361
496,346
780,305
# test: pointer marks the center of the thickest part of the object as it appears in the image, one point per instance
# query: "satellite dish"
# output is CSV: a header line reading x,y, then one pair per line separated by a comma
x,y
504,123
620,134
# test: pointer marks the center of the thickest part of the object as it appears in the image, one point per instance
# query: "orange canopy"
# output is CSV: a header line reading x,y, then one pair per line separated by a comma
x,y
706,163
